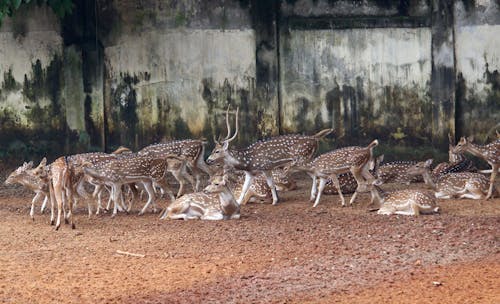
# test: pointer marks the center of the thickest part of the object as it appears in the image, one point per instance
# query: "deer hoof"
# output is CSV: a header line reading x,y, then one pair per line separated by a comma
x,y
57,228
73,226
52,223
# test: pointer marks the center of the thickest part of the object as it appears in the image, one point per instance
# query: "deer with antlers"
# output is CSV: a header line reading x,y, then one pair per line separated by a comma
x,y
190,149
490,153
24,176
263,156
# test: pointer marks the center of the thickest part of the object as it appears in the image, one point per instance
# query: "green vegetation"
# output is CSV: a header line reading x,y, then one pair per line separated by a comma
x,y
60,7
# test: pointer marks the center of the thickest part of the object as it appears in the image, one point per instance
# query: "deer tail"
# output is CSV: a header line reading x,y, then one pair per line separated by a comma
x,y
373,144
322,133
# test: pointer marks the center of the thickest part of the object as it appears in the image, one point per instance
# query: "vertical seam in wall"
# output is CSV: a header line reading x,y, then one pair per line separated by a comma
x,y
277,21
455,68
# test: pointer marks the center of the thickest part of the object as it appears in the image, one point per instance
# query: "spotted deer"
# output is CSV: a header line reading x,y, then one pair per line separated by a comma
x,y
133,169
347,182
452,185
216,202
259,189
352,159
190,149
457,162
263,156
403,202
25,177
490,153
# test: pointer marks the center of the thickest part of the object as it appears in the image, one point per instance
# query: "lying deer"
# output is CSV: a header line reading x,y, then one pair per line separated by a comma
x,y
490,153
457,162
192,150
452,185
24,176
403,202
259,189
216,202
264,156
352,159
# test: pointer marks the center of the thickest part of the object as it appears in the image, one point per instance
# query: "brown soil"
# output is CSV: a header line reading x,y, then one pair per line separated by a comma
x,y
290,253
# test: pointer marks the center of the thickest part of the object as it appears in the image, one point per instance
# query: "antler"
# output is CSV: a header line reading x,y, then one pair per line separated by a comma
x,y
228,125
228,140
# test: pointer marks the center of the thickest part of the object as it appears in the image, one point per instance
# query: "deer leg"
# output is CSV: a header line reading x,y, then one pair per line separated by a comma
x,y
58,193
178,177
33,201
314,188
116,192
270,183
246,186
151,197
494,172
44,204
336,182
322,183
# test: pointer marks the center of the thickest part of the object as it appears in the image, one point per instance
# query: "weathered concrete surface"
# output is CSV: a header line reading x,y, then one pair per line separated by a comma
x,y
172,68
169,83
358,81
477,48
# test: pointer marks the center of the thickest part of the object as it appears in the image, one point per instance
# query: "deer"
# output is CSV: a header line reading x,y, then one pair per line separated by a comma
x,y
347,182
490,153
216,202
134,168
354,159
192,150
452,185
259,190
457,162
265,155
23,175
403,202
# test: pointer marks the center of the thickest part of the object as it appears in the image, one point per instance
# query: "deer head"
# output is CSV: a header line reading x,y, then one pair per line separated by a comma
x,y
220,151
420,167
19,174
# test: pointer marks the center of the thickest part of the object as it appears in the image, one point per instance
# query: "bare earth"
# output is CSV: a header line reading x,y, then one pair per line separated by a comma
x,y
290,253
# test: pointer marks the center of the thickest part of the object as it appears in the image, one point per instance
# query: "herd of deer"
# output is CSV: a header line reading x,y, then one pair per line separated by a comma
x,y
255,173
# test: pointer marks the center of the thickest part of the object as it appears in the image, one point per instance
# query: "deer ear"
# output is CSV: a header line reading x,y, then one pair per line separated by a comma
x,y
428,162
43,162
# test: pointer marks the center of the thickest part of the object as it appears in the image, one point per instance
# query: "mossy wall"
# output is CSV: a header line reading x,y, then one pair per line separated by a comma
x,y
137,72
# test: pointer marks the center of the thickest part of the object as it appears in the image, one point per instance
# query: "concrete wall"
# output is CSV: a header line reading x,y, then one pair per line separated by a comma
x,y
358,81
136,72
477,49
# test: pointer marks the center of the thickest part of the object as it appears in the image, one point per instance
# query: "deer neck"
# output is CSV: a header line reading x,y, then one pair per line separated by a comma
x,y
475,150
429,179
239,159
227,201
377,195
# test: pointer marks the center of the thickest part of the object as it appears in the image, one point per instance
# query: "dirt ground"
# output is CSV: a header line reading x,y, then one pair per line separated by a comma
x,y
290,253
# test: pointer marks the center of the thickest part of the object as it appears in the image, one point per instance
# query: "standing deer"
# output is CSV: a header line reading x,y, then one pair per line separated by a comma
x,y
403,202
216,202
264,156
451,185
133,169
24,176
352,159
190,149
489,152
347,182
